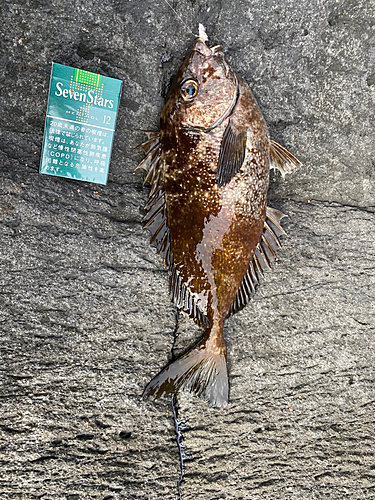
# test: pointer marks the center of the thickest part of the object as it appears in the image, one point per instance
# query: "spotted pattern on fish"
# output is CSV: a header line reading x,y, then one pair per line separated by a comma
x,y
207,212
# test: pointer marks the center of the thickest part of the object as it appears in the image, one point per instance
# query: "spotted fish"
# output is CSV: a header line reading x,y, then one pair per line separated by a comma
x,y
208,168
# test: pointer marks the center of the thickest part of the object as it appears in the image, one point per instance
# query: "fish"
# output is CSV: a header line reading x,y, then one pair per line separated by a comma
x,y
208,168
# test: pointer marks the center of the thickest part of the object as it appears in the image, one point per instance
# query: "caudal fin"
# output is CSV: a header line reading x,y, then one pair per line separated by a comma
x,y
199,371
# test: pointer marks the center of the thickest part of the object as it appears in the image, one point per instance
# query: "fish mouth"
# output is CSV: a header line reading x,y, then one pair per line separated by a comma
x,y
215,50
201,47
203,38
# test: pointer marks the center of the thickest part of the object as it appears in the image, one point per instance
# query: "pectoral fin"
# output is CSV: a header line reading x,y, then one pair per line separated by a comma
x,y
232,154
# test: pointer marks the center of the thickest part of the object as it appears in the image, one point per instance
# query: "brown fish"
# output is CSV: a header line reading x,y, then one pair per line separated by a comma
x,y
207,213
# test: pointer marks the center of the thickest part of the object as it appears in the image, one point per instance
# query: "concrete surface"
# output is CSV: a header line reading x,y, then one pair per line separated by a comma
x,y
85,314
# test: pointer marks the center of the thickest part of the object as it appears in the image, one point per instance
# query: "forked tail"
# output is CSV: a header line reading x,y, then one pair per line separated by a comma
x,y
202,370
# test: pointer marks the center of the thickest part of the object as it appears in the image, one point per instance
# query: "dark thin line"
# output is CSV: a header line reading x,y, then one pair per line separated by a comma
x,y
178,440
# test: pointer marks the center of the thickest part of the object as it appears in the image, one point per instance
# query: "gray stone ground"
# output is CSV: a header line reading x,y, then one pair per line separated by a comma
x,y
85,315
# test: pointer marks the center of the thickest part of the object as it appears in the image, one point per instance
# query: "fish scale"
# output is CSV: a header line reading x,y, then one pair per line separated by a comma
x,y
207,214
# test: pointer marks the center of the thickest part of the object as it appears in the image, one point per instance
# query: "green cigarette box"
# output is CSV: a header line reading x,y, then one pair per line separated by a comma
x,y
80,124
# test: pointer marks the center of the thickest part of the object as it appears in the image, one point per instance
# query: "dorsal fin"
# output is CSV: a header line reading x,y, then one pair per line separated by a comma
x,y
182,297
282,159
264,256
152,149
153,139
156,221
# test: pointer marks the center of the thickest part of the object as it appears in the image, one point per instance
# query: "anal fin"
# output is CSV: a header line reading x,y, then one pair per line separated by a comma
x,y
264,256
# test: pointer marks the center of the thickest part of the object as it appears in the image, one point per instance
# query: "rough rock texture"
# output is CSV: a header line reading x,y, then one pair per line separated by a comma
x,y
85,314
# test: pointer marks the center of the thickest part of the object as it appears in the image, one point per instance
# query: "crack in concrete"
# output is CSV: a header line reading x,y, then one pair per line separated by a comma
x,y
329,204
177,428
175,334
299,290
175,407
184,455
179,425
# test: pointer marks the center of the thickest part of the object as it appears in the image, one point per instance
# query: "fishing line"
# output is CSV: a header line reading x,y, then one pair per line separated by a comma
x,y
180,18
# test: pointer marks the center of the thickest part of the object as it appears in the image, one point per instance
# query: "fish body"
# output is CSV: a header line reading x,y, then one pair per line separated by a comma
x,y
207,211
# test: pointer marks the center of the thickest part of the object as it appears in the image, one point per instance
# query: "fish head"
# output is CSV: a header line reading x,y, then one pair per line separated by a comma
x,y
204,91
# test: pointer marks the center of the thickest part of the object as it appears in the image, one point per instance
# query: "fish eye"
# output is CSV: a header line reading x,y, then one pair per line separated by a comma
x,y
189,90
